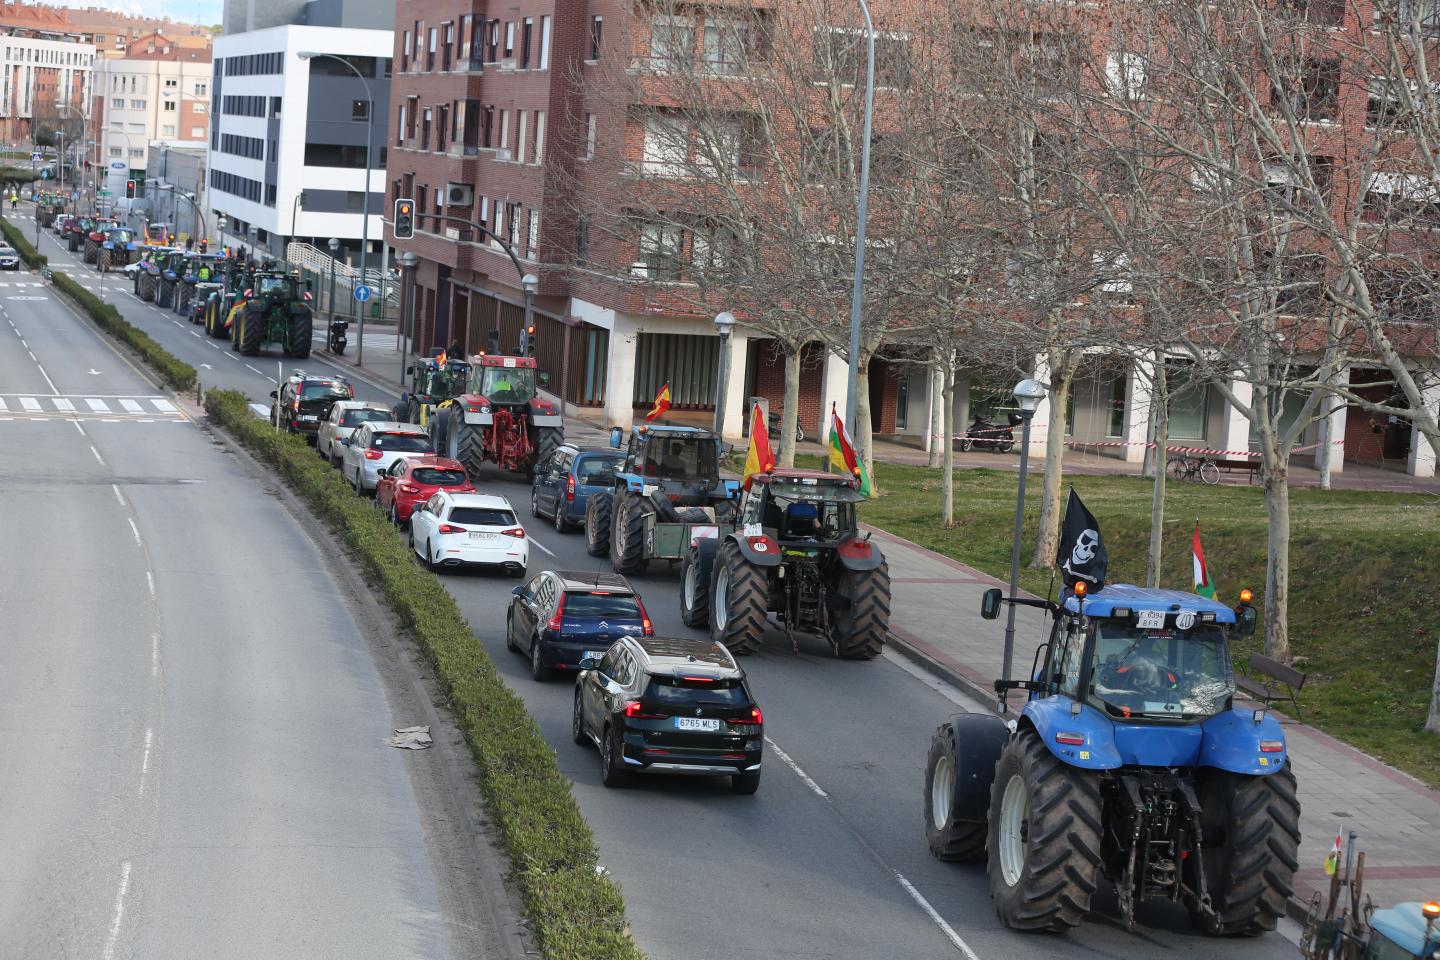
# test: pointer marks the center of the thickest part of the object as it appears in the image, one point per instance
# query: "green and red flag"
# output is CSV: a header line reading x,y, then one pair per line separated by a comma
x,y
1203,586
842,452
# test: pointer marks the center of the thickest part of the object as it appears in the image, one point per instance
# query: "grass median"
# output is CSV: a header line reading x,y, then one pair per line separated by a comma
x,y
576,913
1364,588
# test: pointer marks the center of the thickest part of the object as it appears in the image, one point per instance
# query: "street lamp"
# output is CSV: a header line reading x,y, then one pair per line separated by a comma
x,y
1028,394
334,246
407,260
369,165
852,394
529,284
60,165
724,323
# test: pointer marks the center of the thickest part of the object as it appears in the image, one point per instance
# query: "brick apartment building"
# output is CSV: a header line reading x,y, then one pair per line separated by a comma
x,y
41,70
494,115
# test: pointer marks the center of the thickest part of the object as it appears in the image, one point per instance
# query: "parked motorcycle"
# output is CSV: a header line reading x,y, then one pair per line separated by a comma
x,y
337,340
773,428
985,433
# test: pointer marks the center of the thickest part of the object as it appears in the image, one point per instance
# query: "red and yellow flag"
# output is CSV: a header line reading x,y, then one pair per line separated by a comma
x,y
662,402
759,459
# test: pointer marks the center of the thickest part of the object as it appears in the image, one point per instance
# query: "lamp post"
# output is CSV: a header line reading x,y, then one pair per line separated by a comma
x,y
724,323
60,165
852,394
334,246
408,260
528,284
1028,394
369,164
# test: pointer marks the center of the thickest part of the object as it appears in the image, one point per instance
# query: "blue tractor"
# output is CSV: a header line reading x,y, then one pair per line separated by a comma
x,y
1129,761
667,492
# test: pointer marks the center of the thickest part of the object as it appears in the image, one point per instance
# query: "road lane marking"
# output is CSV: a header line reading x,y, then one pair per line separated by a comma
x,y
155,654
542,546
97,456
934,915
78,427
63,405
135,530
30,403
150,582
99,406
117,494
804,777
47,378
145,763
164,406
131,406
110,941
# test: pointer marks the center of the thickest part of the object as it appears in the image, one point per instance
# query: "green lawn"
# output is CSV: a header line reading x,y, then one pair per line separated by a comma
x,y
1365,579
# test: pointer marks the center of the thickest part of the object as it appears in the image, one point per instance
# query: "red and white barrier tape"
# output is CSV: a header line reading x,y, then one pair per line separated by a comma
x,y
1200,450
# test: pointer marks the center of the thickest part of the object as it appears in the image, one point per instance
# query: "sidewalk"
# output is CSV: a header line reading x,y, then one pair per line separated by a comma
x,y
936,620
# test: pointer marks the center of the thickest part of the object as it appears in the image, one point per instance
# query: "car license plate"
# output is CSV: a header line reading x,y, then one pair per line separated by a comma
x,y
1151,620
592,655
477,535
308,418
697,723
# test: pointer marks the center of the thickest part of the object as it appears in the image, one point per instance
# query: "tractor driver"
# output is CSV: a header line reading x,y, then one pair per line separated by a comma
x,y
802,522
673,465
1142,668
502,387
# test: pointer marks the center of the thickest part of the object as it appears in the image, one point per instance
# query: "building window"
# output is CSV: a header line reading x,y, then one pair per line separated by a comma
x,y
169,106
1116,423
520,138
840,56
509,39
589,136
138,104
487,126
504,130
137,152
197,133
1318,94
400,127
1384,104
434,40
202,89
667,145
672,42
425,130
544,43
532,235
539,137
1189,398
597,30
726,41
405,51
525,34
117,104
582,242
659,251
359,109
115,151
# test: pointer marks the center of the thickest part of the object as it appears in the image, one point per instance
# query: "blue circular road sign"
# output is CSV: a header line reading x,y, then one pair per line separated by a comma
x,y
362,293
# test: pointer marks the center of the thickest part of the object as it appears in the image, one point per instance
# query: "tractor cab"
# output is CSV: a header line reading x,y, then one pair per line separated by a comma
x,y
100,227
1406,931
275,286
803,510
157,233
435,382
200,267
504,381
681,464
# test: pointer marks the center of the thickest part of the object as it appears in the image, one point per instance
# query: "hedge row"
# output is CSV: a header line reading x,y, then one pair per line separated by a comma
x,y
175,371
13,236
576,913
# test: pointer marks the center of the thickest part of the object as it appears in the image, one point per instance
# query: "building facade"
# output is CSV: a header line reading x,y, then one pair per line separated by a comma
x,y
176,184
287,151
41,71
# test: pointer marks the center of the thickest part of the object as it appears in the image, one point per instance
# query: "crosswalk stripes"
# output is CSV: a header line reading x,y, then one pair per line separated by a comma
x,y
140,408
29,286
30,404
99,406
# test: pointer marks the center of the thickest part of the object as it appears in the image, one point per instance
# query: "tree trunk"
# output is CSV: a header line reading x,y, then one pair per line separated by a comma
x,y
860,430
1160,421
947,475
1432,723
790,412
1277,555
1047,539
1327,437
940,419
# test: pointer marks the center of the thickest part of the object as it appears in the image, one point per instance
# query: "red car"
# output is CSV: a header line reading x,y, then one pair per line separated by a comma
x,y
411,481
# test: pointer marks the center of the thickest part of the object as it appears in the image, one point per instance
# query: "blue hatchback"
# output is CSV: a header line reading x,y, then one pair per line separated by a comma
x,y
563,616
564,482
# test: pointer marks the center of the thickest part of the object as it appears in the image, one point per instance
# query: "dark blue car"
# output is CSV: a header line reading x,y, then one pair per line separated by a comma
x,y
564,483
560,617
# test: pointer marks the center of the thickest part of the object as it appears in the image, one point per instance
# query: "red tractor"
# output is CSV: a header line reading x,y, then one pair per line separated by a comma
x,y
95,239
500,418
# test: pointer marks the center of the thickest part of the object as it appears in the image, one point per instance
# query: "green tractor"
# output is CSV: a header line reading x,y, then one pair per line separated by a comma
x,y
219,301
435,382
272,309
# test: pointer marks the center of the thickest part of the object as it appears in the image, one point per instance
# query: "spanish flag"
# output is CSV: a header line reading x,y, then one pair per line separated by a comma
x,y
441,359
759,459
662,402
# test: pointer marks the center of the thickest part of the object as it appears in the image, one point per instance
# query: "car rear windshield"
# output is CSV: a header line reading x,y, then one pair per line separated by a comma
x,y
401,442
601,606
323,391
597,470
482,516
438,478
679,692
353,418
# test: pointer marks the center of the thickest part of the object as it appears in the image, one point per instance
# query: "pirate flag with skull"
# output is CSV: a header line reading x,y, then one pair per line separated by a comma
x,y
1082,554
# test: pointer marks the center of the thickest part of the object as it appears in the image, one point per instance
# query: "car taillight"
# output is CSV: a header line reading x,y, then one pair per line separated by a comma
x,y
296,404
635,711
409,488
645,623
373,454
352,393
753,716
557,621
517,532
570,487
451,528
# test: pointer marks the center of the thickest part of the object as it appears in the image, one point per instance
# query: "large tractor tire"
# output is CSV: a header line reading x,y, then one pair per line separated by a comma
x,y
696,572
144,286
297,344
164,293
627,541
738,601
91,248
183,293
959,777
440,421
547,441
102,260
598,514
252,331
858,629
1252,840
466,443
1044,837
214,320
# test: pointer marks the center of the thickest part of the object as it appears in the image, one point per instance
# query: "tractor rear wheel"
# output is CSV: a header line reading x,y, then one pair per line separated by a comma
x,y
90,249
949,837
738,601
466,443
547,441
1252,839
145,286
164,293
858,631
597,523
183,293
694,590
252,331
102,260
1044,837
297,343
627,547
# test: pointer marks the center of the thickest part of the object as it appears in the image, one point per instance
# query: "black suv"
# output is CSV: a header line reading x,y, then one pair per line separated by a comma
x,y
562,616
660,705
303,402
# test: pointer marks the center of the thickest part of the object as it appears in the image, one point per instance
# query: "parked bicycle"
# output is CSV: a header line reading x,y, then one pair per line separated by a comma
x,y
1201,469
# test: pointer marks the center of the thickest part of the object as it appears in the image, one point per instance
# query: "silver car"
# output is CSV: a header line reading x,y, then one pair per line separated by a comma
x,y
344,419
375,446
9,259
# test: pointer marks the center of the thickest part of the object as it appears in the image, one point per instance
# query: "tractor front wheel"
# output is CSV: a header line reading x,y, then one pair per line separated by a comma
x,y
466,443
547,441
1251,851
948,836
597,523
858,630
737,601
627,551
1044,837
252,331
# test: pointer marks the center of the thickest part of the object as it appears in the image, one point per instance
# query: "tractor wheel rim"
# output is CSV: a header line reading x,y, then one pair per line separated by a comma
x,y
942,792
722,598
1014,812
689,587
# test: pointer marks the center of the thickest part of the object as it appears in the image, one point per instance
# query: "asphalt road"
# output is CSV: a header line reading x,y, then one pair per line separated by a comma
x,y
194,707
829,858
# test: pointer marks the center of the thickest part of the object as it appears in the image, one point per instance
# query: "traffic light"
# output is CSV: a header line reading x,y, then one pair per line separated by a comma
x,y
129,189
404,219
527,340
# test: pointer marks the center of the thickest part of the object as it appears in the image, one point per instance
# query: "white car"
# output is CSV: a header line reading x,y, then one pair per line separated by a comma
x,y
345,418
376,445
130,269
469,529
9,259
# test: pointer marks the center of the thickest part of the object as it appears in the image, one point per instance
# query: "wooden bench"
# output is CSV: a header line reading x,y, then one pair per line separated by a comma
x,y
1271,680
1250,466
